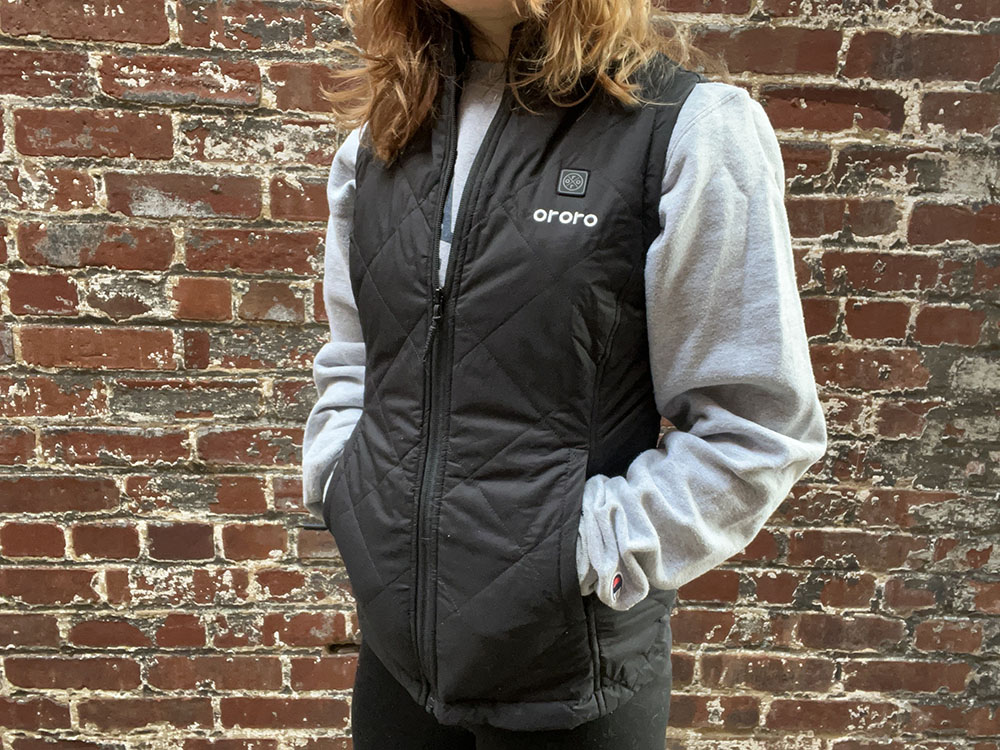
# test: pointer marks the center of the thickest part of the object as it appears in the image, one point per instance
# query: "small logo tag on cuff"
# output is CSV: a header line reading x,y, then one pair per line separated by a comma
x,y
616,586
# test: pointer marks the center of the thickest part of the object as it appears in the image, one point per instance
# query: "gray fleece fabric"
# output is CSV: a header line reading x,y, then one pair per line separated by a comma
x,y
728,350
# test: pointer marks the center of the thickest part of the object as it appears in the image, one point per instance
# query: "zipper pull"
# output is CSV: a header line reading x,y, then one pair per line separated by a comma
x,y
435,317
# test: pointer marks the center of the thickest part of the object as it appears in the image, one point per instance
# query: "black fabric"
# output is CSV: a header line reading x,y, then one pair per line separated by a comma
x,y
638,724
457,499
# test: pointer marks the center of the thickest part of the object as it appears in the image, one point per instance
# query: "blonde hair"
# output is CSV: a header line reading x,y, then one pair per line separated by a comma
x,y
559,44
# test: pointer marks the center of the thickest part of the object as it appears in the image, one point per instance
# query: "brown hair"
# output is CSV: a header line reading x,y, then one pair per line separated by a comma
x,y
560,43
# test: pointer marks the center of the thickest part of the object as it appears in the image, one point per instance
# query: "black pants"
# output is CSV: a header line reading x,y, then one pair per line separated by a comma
x,y
385,717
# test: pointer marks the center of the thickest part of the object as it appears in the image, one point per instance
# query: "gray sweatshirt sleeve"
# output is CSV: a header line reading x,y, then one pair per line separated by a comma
x,y
729,359
339,365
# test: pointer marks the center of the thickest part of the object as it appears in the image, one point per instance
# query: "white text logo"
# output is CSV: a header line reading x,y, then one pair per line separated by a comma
x,y
546,216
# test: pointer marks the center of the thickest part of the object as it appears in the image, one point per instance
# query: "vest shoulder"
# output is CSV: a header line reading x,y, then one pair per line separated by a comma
x,y
665,81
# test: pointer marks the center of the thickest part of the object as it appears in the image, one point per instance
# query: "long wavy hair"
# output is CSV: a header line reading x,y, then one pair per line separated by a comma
x,y
557,45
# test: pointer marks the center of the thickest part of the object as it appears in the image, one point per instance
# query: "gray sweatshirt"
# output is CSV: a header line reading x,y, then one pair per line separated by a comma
x,y
727,342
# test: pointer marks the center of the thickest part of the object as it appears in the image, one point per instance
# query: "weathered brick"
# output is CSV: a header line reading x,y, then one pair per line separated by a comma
x,y
108,347
932,223
72,673
937,56
32,540
955,111
767,49
95,133
69,244
178,81
42,294
44,73
829,109
271,300
102,20
252,251
169,196
201,298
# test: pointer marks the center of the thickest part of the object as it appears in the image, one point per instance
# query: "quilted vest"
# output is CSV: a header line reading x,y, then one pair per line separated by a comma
x,y
488,403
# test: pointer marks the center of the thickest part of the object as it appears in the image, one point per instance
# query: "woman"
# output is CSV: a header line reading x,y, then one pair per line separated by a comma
x,y
545,234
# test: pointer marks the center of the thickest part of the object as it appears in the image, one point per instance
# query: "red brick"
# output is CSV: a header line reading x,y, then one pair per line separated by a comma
x,y
855,549
42,395
31,714
955,111
254,541
778,50
302,629
820,314
714,586
906,595
954,636
857,633
111,446
943,324
32,540
106,634
986,596
776,587
102,20
714,711
42,294
846,590
200,298
97,347
335,672
828,109
170,196
37,73
876,319
304,200
933,56
969,10
181,541
297,85
216,672
870,369
891,675
970,720
251,446
771,673
273,301
252,250
48,188
95,133
866,271
181,631
101,541
865,218
17,445
177,81
831,715
117,714
70,244
49,585
251,25
932,223
696,626
284,713
37,494
26,630
72,673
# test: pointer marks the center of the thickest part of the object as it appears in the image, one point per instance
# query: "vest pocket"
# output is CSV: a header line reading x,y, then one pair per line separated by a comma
x,y
343,523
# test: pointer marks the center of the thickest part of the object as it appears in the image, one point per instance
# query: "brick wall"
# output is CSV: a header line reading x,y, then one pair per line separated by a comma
x,y
163,171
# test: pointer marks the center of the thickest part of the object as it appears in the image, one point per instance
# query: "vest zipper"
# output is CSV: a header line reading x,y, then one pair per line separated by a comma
x,y
437,366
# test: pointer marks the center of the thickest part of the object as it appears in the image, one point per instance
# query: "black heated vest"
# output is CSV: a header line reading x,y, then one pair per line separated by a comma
x,y
456,501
